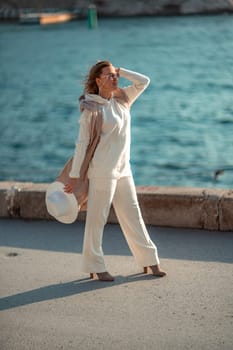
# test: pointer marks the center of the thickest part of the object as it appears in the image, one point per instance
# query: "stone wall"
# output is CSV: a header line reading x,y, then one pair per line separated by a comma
x,y
114,8
209,209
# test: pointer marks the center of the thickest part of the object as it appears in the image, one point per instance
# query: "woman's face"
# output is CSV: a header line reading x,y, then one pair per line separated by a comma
x,y
108,79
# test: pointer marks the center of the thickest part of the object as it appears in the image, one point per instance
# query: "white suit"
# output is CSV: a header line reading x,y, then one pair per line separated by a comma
x,y
110,180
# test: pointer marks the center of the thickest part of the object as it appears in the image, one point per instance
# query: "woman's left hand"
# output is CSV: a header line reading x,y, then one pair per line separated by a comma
x,y
70,185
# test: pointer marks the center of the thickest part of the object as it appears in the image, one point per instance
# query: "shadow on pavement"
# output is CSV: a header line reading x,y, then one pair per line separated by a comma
x,y
67,289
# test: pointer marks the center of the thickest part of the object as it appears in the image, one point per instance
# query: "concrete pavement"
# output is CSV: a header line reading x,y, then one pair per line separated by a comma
x,y
48,303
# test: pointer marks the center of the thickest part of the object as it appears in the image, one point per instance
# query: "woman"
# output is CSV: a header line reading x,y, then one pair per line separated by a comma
x,y
109,172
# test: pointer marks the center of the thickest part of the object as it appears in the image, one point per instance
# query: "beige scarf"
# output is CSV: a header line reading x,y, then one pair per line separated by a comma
x,y
81,189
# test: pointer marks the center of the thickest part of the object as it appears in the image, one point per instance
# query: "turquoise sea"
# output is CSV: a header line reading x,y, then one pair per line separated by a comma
x,y
182,126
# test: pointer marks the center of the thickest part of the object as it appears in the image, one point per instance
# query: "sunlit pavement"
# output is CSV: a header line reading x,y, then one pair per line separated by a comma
x,y
48,303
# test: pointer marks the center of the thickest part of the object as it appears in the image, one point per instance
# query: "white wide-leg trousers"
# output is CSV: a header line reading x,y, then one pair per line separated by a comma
x,y
122,194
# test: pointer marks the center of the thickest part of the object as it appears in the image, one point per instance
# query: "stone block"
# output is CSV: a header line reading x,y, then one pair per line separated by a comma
x,y
226,212
180,207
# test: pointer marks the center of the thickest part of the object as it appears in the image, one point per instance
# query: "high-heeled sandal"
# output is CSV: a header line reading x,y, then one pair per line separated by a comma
x,y
102,276
155,270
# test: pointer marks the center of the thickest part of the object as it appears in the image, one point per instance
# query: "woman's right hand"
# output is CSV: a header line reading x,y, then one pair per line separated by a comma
x,y
70,185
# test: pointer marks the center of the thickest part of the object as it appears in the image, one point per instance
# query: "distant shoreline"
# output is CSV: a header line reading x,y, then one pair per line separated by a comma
x,y
11,11
83,18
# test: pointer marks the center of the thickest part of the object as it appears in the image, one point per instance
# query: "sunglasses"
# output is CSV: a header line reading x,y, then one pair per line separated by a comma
x,y
111,76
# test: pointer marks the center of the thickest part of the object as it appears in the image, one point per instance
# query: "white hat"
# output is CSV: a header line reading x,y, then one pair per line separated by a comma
x,y
61,205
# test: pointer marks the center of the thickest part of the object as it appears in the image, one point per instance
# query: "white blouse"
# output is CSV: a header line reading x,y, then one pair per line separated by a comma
x,y
112,155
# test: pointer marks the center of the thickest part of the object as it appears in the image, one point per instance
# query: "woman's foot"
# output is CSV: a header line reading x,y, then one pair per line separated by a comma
x,y
103,276
156,271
